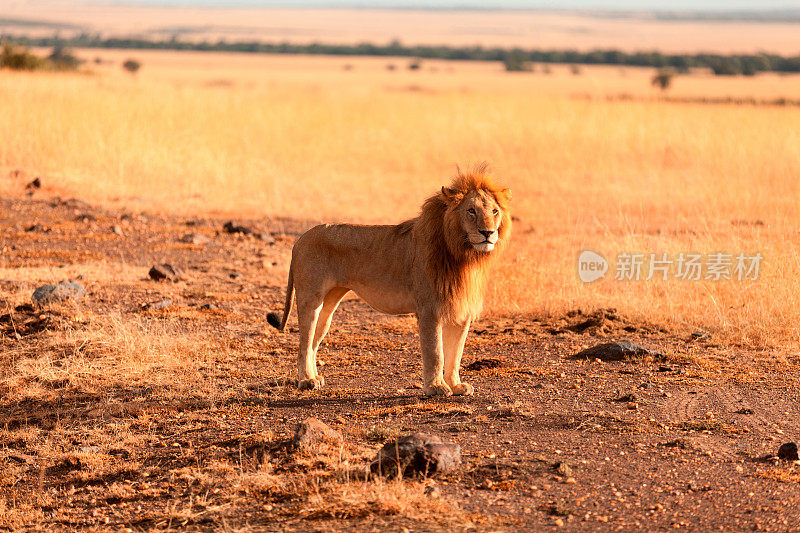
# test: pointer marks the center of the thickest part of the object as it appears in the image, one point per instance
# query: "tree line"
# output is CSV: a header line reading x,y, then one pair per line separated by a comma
x,y
720,64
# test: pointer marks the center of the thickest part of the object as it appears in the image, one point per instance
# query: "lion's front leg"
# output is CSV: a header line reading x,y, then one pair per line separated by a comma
x,y
430,338
453,338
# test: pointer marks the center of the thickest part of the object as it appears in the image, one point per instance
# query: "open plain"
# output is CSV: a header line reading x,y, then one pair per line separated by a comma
x,y
163,405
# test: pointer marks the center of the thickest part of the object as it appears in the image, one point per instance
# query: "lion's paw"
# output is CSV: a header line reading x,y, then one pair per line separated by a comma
x,y
463,389
311,383
437,390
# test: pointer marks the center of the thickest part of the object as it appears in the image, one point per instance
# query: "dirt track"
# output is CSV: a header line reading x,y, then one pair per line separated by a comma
x,y
655,443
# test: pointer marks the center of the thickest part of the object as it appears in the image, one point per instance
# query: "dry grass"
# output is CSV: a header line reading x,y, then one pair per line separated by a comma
x,y
301,137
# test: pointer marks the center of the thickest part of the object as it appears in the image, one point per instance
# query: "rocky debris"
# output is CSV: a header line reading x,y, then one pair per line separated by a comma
x,y
35,184
614,351
210,307
418,453
163,272
38,228
699,336
231,227
85,218
563,469
117,230
195,238
788,452
314,431
630,397
155,306
483,364
594,323
59,292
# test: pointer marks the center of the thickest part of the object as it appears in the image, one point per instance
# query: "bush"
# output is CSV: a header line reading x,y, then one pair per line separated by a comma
x,y
62,59
662,78
19,59
515,61
415,65
132,66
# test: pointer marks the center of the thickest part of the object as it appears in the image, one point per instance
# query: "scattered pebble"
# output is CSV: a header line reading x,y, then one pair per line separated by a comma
x,y
195,238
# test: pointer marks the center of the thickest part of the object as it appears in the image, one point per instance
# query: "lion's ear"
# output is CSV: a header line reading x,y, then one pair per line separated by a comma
x,y
450,195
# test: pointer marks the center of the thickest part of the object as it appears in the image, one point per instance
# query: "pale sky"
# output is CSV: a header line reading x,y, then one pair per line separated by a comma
x,y
665,5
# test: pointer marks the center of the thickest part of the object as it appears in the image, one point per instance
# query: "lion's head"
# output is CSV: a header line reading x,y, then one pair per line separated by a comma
x,y
464,226
477,215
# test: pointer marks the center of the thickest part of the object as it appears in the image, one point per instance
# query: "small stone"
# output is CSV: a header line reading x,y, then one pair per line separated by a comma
x,y
117,230
483,364
314,431
195,238
163,272
35,184
155,306
788,452
417,454
564,469
231,227
59,292
559,522
208,307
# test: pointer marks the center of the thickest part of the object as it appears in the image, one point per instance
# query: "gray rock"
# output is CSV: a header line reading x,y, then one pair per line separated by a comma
x,y
155,306
417,454
614,351
314,431
195,238
163,272
231,227
59,292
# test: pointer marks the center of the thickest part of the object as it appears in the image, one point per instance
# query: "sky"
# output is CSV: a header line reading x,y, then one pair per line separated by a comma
x,y
666,5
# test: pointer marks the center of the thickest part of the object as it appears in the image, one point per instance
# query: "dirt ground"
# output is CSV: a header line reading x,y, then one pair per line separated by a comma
x,y
671,441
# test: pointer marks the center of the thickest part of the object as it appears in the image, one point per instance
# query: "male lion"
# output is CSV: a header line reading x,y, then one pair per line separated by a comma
x,y
434,265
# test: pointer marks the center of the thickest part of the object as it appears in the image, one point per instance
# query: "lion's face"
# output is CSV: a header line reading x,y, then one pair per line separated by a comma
x,y
481,216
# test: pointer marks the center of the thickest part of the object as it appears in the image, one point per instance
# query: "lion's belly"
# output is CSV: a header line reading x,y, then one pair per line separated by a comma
x,y
386,300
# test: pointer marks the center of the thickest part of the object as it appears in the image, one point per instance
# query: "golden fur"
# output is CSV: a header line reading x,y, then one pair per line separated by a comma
x,y
435,265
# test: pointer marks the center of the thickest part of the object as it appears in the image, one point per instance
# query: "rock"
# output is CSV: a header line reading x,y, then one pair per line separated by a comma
x,y
614,351
195,238
162,272
66,290
35,184
630,397
210,307
564,469
788,452
266,237
38,228
155,306
314,431
117,230
417,454
482,364
230,227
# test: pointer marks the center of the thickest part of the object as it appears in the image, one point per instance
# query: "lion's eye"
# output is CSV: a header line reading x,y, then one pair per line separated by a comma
x,y
495,211
471,211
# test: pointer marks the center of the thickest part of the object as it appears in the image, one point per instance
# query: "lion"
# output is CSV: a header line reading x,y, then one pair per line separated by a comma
x,y
434,266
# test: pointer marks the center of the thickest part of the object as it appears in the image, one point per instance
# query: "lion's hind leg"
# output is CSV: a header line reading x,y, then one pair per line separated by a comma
x,y
309,307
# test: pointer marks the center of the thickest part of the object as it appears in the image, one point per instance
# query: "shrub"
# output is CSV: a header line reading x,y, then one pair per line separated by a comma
x,y
19,59
62,59
515,61
662,78
132,66
416,64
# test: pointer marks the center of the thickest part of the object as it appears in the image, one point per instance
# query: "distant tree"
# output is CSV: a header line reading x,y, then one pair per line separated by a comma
x,y
391,66
62,59
662,78
575,69
415,64
132,66
515,61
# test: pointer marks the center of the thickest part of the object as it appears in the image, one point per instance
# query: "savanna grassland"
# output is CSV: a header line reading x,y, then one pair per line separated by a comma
x,y
118,412
308,138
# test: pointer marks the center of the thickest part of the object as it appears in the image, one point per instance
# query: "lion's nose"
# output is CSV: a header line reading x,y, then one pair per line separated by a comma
x,y
486,233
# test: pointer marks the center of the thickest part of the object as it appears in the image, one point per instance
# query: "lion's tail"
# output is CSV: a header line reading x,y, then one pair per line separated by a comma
x,y
272,318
